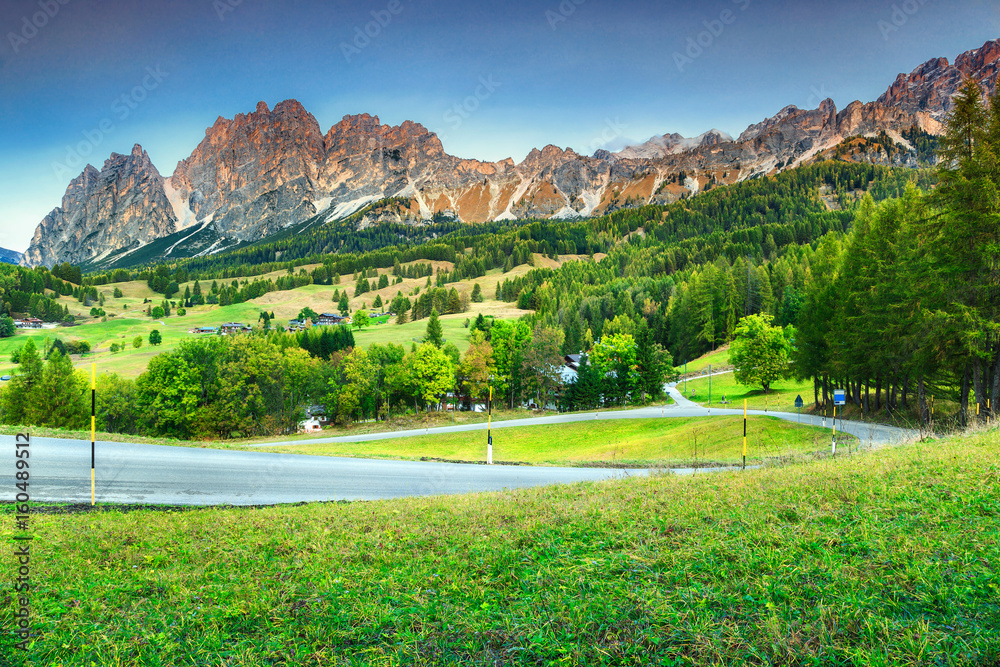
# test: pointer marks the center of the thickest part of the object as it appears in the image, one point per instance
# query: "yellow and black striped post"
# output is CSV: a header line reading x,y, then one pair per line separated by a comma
x,y
744,434
489,432
93,428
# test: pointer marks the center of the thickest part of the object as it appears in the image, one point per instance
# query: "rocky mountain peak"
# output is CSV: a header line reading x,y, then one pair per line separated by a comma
x,y
264,151
978,62
122,206
930,87
359,124
80,187
672,144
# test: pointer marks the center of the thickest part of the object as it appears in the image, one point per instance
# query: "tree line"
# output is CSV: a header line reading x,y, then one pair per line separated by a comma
x,y
907,306
264,383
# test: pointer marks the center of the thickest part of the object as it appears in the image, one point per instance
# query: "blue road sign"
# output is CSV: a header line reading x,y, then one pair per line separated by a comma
x,y
798,401
838,397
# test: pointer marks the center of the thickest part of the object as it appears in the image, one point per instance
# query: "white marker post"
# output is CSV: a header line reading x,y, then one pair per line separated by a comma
x,y
838,399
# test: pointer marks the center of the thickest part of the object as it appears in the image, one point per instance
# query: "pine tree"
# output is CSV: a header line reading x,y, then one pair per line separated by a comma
x,y
22,394
435,332
454,301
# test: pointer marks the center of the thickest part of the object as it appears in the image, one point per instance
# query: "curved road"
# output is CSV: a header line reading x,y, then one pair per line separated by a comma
x,y
135,473
867,433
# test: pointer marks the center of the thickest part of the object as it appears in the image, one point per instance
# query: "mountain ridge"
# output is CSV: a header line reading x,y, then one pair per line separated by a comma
x,y
264,171
10,256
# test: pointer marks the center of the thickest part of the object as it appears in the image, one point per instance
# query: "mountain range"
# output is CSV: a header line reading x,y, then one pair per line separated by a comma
x,y
10,256
265,171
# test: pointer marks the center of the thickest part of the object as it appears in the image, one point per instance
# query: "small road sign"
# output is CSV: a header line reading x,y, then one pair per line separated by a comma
x,y
838,397
798,402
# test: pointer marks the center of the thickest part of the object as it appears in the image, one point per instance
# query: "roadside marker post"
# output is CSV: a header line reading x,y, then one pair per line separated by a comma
x,y
744,434
489,432
93,431
839,398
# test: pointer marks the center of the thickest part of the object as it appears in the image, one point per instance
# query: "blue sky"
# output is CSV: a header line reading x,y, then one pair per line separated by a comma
x,y
98,76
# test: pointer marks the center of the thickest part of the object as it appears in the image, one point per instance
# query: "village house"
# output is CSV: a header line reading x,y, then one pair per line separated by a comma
x,y
234,328
316,419
29,323
330,319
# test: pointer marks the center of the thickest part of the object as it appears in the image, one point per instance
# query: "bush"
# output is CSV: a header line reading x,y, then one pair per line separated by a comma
x,y
77,347
7,328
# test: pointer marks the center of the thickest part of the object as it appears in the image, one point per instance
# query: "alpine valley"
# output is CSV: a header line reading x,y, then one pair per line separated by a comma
x,y
273,171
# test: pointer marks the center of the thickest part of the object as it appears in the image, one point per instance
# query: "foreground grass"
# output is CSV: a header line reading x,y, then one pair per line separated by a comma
x,y
887,558
645,442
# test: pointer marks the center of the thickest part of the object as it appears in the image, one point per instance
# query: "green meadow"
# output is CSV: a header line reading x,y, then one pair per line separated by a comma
x,y
672,442
881,558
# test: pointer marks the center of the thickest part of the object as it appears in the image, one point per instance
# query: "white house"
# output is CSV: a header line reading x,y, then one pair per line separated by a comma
x,y
311,425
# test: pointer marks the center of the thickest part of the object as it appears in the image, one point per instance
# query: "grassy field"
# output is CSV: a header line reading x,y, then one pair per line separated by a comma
x,y
781,396
641,442
884,558
717,359
126,319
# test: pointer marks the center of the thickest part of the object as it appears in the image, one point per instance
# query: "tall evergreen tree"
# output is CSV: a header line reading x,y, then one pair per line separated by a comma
x,y
435,332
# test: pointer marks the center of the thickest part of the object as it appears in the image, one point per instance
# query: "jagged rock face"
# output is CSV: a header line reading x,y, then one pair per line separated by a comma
x,y
929,88
255,173
124,205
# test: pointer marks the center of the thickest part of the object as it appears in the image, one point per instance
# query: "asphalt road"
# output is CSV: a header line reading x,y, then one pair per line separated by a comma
x,y
867,433
135,473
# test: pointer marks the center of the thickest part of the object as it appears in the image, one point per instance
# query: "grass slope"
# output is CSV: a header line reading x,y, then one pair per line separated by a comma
x,y
780,398
887,558
645,442
717,360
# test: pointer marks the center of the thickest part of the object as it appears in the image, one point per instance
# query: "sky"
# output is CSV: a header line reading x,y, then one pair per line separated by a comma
x,y
81,79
